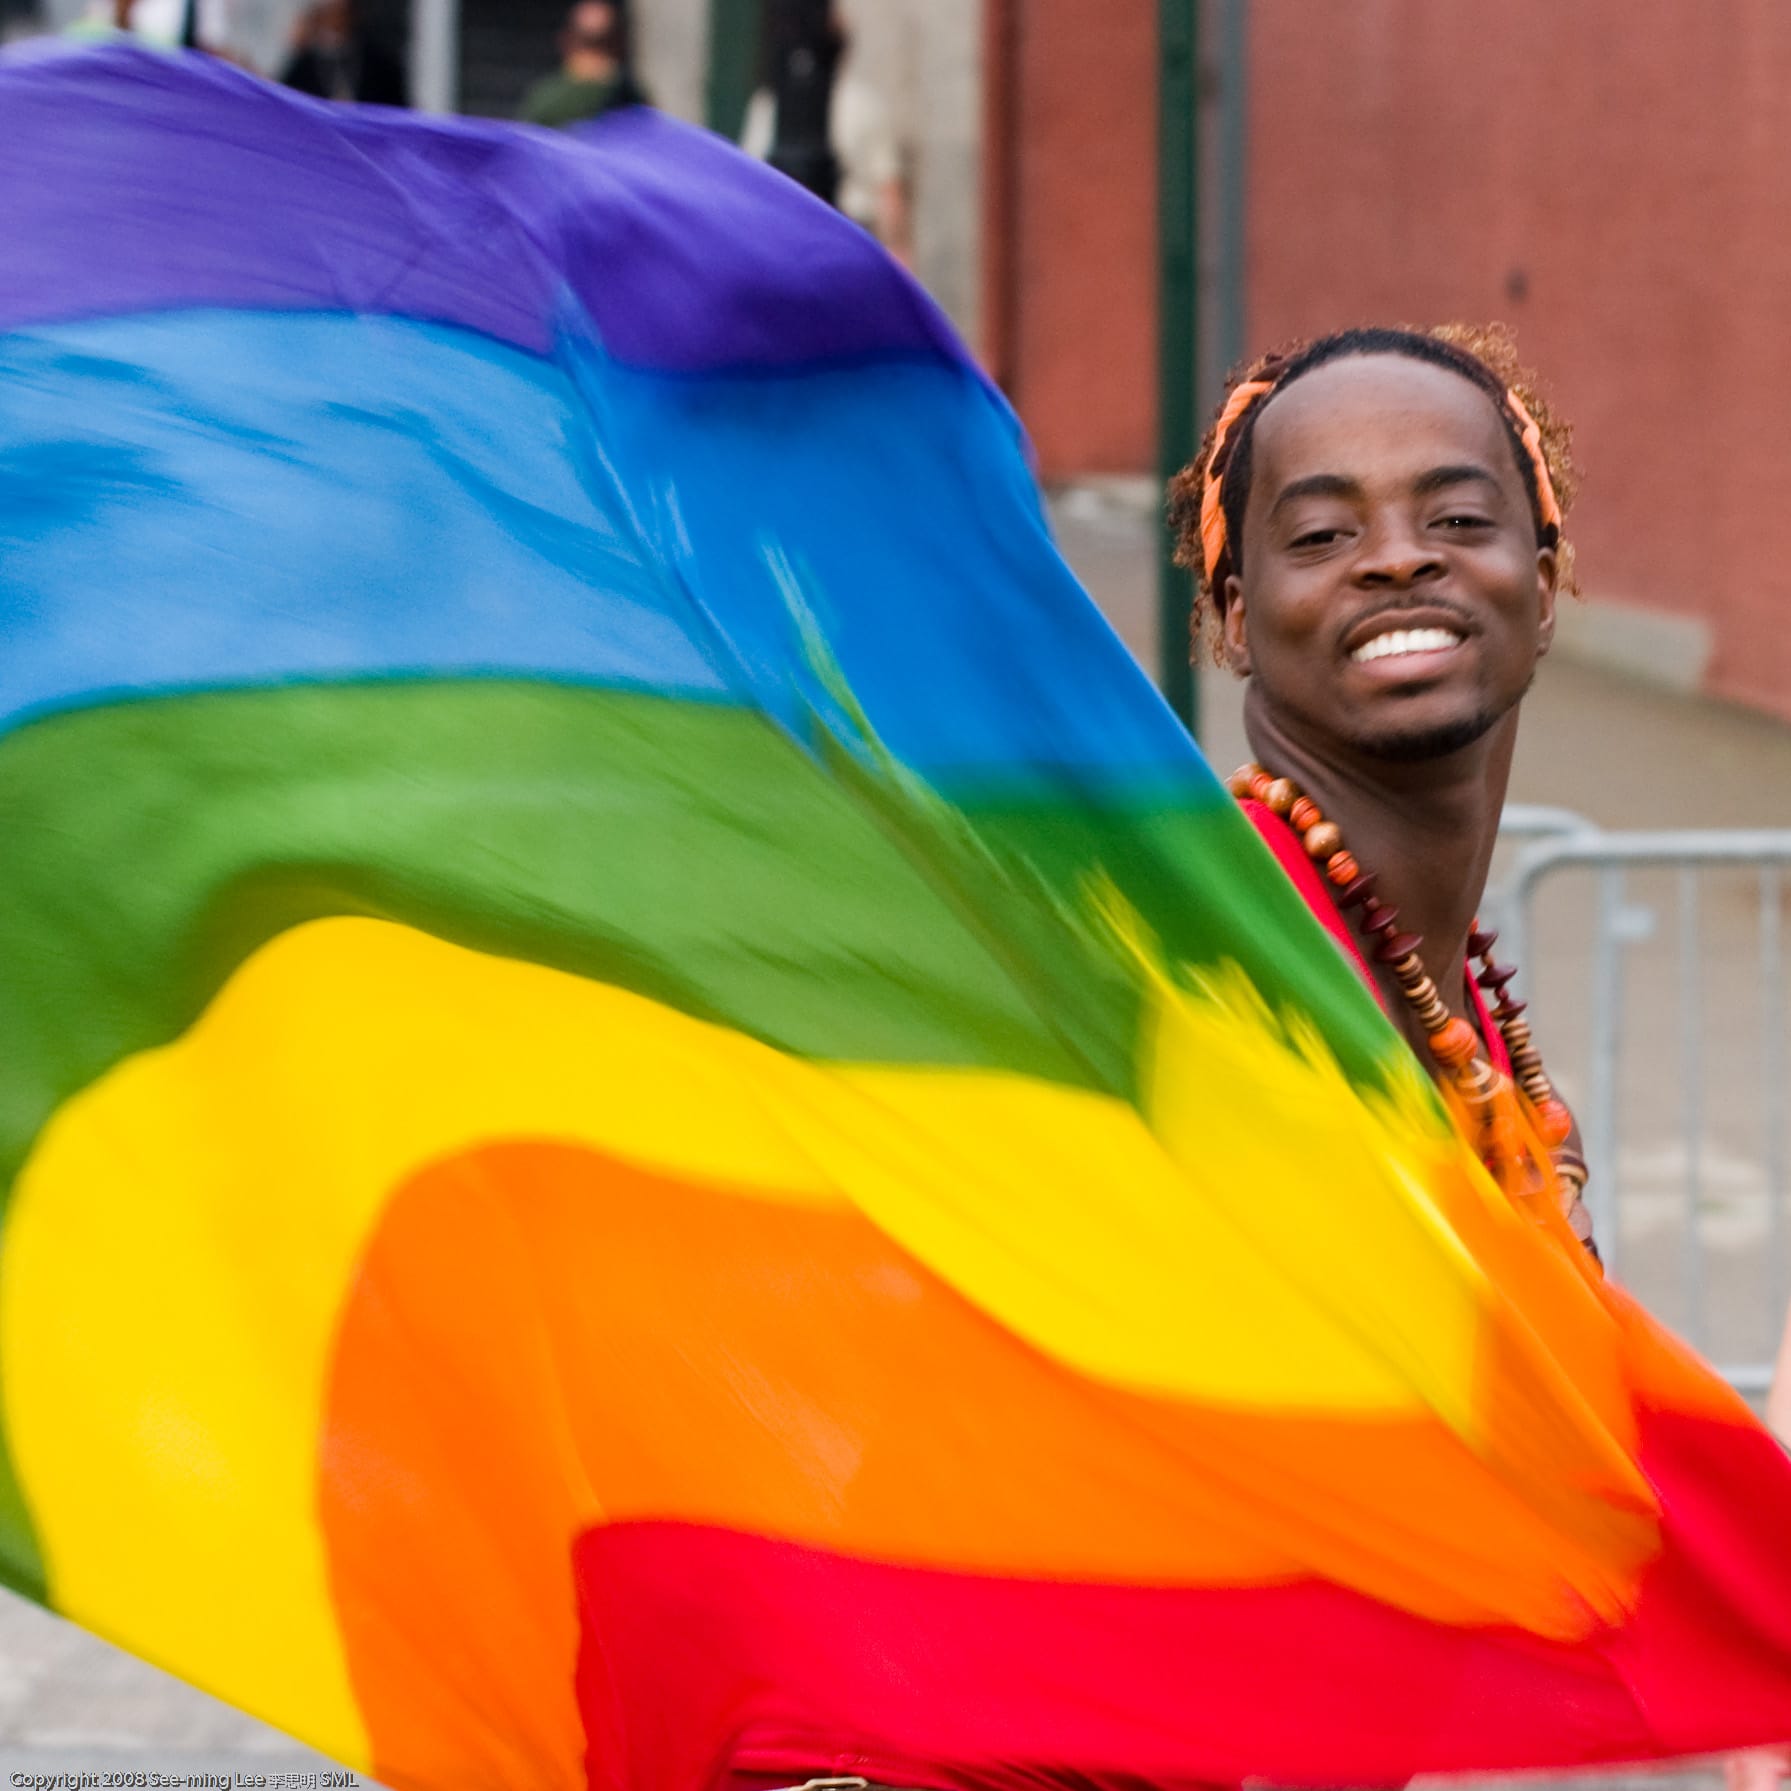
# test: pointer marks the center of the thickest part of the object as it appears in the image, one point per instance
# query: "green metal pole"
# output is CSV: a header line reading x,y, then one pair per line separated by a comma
x,y
734,27
1229,201
1178,37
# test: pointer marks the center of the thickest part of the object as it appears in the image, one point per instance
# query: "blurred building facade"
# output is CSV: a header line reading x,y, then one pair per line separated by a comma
x,y
1608,179
1611,177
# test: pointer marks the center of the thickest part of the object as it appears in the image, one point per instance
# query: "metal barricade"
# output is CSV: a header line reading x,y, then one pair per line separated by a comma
x,y
1520,823
1648,1082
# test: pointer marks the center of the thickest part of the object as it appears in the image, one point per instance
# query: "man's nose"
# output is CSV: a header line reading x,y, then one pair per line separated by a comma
x,y
1393,554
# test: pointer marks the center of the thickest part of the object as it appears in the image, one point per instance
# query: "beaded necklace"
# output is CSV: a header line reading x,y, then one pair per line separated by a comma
x,y
1453,1042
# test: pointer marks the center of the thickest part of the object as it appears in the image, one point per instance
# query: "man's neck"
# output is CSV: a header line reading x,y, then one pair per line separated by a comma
x,y
1426,829
588,67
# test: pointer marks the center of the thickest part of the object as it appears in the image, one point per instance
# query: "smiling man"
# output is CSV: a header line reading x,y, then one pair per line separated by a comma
x,y
1375,519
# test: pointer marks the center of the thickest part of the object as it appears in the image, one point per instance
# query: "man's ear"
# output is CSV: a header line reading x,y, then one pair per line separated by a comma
x,y
1548,574
1232,631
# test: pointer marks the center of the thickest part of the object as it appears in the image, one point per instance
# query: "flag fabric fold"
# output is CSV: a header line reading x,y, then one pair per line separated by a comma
x,y
656,1125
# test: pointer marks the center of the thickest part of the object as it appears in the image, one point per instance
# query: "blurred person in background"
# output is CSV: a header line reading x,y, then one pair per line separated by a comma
x,y
335,56
872,189
593,77
156,21
19,18
168,24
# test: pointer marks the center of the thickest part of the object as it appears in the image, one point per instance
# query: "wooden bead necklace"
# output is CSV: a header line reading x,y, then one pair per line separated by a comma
x,y
1452,1041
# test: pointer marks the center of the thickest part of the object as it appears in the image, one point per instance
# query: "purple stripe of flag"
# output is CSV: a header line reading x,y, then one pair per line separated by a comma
x,y
686,255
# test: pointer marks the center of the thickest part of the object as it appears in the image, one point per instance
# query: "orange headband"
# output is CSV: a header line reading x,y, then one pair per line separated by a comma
x,y
1212,511
1546,501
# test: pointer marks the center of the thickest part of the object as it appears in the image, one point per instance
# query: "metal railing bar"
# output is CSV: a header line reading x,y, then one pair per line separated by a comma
x,y
1772,1076
1536,819
1683,846
1691,1023
1508,913
1748,1377
1499,909
1601,1119
1550,845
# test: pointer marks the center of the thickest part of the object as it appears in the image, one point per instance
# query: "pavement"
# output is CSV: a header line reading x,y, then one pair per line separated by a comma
x,y
70,1704
1616,752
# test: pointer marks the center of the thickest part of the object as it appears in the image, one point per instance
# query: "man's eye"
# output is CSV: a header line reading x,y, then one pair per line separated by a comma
x,y
1465,522
1315,538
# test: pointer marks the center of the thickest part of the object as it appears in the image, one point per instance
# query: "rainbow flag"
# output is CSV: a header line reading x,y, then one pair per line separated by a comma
x,y
658,1128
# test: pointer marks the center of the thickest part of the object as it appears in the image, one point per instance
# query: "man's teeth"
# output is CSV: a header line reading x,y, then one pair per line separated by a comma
x,y
1406,640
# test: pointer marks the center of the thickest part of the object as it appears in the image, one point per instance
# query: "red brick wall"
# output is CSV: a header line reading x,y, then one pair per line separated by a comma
x,y
1070,220
1612,176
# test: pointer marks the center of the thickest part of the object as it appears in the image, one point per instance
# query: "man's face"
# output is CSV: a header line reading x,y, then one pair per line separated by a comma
x,y
1394,601
590,26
